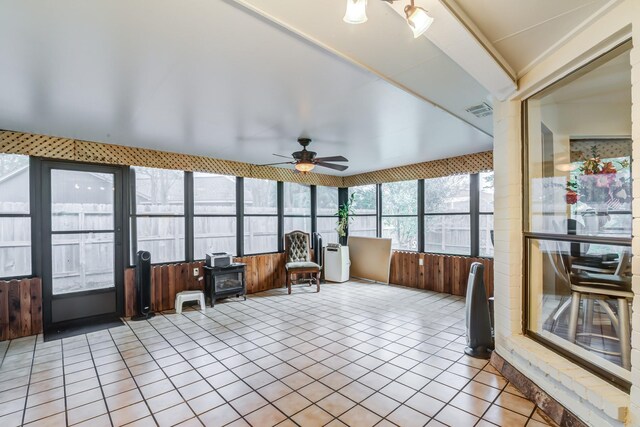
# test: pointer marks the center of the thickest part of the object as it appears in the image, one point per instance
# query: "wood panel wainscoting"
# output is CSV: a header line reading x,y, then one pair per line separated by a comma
x,y
20,308
440,273
264,272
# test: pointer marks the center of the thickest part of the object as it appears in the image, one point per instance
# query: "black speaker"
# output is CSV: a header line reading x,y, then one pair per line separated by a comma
x,y
318,253
143,285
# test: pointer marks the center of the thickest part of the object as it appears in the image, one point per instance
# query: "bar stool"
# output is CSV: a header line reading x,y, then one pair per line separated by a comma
x,y
600,288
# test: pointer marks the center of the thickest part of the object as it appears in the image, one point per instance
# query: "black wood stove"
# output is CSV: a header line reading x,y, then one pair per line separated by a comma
x,y
221,282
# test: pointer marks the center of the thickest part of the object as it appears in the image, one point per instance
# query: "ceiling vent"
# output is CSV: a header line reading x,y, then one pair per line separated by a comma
x,y
480,110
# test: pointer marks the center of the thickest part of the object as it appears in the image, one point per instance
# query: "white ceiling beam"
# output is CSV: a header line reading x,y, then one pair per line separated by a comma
x,y
460,39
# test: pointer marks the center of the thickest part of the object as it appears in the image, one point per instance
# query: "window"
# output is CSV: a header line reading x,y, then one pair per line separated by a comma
x,y
327,206
400,214
297,207
486,214
15,219
447,221
578,222
158,214
260,216
214,214
364,219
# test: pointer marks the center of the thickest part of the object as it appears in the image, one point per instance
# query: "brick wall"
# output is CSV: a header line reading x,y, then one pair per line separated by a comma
x,y
595,401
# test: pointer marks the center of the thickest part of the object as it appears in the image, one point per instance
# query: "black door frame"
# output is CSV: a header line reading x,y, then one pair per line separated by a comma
x,y
120,227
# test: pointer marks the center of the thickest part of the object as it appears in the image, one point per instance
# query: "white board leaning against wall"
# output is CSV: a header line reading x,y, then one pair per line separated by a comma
x,y
370,258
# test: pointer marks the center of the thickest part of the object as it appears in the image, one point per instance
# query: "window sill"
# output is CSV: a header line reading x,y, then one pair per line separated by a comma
x,y
583,393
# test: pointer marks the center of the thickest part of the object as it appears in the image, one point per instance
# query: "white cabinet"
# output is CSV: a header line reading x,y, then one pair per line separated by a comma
x,y
336,263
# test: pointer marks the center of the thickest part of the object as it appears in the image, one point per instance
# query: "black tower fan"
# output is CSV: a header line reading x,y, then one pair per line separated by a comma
x,y
143,286
479,339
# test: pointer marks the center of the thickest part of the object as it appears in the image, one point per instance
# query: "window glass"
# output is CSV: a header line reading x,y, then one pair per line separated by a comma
x,y
292,223
362,226
260,234
486,235
214,194
15,231
364,201
14,184
486,191
163,237
159,191
578,174
327,228
260,196
81,200
214,234
297,199
400,198
403,231
448,234
446,194
78,262
327,200
15,250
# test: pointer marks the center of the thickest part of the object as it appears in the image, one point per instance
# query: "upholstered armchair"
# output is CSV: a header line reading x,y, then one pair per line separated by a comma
x,y
298,250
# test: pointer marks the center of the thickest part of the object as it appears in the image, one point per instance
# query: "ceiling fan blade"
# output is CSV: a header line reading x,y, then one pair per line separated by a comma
x,y
280,155
332,166
279,163
332,159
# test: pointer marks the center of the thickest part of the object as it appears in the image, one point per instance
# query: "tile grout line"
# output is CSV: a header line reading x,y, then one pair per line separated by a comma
x,y
194,369
26,398
95,368
352,379
239,326
132,376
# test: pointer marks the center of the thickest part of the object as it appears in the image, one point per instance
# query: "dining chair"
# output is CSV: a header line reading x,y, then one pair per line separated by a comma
x,y
298,250
591,288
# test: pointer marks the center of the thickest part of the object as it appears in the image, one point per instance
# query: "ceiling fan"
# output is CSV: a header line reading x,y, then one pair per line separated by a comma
x,y
305,160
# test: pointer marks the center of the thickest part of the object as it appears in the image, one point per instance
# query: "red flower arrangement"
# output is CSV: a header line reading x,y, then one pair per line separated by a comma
x,y
598,183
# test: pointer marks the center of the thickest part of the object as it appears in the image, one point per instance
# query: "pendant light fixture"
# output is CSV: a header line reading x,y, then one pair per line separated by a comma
x,y
418,19
356,12
304,166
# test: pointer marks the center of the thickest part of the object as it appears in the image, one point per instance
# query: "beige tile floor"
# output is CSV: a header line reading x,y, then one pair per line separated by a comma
x,y
356,354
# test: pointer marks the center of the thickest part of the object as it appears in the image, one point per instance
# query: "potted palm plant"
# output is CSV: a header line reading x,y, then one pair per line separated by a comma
x,y
344,213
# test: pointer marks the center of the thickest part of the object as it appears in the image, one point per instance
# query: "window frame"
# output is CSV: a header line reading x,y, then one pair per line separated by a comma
x,y
187,215
416,215
376,214
193,215
529,236
473,213
314,209
278,215
312,190
33,228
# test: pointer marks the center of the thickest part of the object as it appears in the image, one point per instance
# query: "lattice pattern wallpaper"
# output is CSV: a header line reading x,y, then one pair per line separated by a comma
x,y
93,152
471,163
606,148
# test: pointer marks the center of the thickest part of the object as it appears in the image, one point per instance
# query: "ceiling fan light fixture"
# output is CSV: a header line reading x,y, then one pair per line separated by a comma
x,y
356,12
418,19
304,166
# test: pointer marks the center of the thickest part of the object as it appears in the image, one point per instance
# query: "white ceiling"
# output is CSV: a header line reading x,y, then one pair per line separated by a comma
x,y
242,79
212,78
523,30
596,104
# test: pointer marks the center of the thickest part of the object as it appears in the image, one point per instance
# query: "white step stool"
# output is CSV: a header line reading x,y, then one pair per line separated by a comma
x,y
184,296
